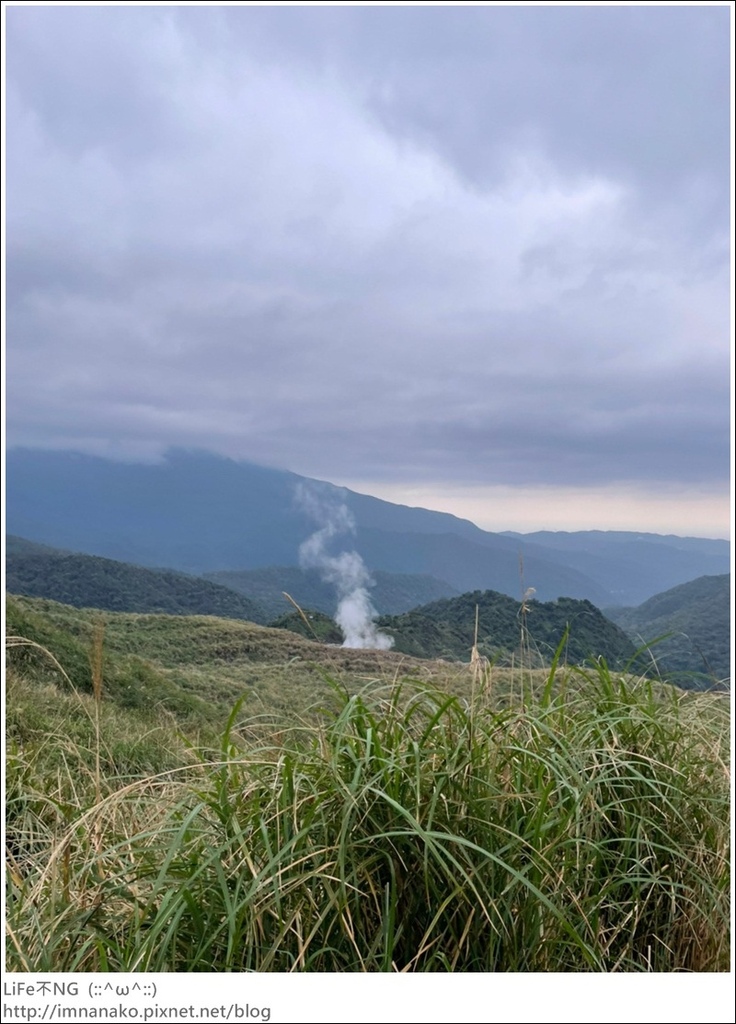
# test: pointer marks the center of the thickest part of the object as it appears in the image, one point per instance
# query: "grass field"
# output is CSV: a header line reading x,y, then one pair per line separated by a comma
x,y
204,795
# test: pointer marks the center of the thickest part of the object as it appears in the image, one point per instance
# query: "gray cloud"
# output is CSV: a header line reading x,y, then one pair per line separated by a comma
x,y
624,91
478,244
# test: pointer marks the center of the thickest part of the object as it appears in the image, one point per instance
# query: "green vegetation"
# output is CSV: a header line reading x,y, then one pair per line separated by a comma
x,y
87,581
15,546
393,592
311,624
196,667
695,621
693,618
470,820
131,682
445,629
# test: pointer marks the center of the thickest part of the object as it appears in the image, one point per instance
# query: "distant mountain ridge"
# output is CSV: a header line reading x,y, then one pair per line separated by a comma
x,y
89,581
392,593
201,513
626,562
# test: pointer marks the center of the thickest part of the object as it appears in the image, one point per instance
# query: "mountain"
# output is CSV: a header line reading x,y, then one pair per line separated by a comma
x,y
201,513
393,592
446,629
698,614
19,546
627,563
88,581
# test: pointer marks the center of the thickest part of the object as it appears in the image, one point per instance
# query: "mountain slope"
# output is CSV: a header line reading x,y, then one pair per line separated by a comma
x,y
446,629
627,563
198,513
87,581
699,617
392,594
197,667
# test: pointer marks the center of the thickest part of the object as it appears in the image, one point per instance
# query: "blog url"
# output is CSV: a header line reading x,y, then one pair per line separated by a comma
x,y
55,1011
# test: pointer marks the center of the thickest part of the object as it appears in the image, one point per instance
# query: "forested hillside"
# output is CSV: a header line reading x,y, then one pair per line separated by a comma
x,y
695,621
446,629
87,581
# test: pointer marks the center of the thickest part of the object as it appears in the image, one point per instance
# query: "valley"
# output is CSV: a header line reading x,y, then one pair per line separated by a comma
x,y
204,774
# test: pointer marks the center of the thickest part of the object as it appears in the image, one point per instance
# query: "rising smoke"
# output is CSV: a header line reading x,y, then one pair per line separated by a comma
x,y
355,614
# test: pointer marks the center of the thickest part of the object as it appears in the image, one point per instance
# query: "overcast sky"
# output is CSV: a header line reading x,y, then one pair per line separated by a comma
x,y
475,258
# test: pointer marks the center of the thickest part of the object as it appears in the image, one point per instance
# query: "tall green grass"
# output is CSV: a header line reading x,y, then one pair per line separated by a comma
x,y
581,826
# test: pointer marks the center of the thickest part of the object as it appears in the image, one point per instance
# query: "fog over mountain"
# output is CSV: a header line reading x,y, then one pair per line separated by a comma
x,y
466,257
202,513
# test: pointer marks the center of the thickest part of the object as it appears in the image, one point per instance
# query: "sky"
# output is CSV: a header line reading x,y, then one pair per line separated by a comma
x,y
474,258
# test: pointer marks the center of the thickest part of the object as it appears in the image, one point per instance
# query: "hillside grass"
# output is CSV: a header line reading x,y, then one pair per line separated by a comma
x,y
196,667
566,820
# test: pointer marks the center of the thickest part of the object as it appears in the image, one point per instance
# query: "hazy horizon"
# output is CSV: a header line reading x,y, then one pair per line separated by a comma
x,y
503,509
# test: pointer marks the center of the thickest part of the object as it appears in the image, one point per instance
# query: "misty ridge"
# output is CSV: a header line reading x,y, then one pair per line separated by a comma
x,y
246,535
208,515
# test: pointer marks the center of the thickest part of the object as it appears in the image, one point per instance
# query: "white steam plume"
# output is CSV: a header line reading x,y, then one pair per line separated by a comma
x,y
355,614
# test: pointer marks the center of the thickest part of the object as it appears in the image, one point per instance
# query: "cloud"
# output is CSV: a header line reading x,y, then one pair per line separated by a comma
x,y
479,244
